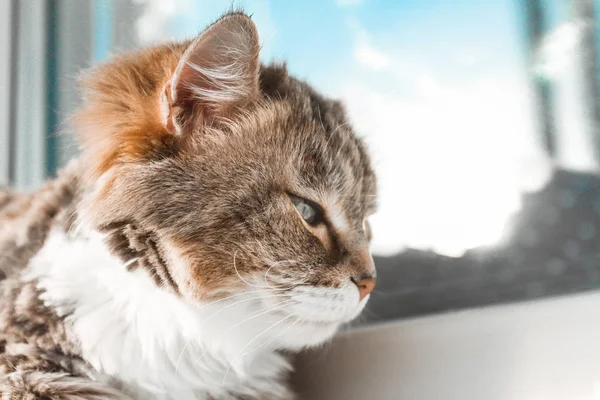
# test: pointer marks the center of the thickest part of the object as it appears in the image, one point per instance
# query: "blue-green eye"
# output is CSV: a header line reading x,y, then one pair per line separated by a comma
x,y
309,211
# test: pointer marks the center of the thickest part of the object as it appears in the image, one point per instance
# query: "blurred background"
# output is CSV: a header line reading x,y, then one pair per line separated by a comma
x,y
482,117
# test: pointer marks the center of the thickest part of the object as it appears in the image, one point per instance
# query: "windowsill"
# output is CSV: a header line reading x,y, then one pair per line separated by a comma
x,y
546,349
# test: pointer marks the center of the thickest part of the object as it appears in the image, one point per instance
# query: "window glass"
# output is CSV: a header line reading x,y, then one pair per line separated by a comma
x,y
439,89
482,117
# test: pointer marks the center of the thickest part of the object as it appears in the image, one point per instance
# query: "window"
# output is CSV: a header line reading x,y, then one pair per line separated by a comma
x,y
482,117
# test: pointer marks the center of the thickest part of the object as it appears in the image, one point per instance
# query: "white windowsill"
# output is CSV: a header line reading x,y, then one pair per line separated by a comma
x,y
542,350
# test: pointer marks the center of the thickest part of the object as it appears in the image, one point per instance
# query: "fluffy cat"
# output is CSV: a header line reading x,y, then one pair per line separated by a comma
x,y
215,221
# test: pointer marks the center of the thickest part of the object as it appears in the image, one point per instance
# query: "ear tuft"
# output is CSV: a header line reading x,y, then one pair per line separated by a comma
x,y
134,104
217,72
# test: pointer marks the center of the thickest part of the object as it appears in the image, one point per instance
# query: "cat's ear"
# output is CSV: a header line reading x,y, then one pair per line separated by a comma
x,y
217,73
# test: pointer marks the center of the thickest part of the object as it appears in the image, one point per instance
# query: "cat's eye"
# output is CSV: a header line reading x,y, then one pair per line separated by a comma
x,y
308,210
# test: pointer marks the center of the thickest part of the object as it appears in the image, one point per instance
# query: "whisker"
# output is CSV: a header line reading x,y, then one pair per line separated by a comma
x,y
232,296
253,340
274,265
241,301
238,273
279,334
290,285
243,280
280,305
228,306
252,284
286,285
181,354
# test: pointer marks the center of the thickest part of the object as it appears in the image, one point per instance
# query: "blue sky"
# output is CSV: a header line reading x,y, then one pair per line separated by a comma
x,y
437,87
317,37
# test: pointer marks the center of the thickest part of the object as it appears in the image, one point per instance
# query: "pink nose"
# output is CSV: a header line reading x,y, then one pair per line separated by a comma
x,y
365,286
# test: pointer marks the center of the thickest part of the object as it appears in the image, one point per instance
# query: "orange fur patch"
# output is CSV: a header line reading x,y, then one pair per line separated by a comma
x,y
120,121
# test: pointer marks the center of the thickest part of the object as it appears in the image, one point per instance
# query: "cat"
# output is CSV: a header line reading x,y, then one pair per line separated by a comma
x,y
214,224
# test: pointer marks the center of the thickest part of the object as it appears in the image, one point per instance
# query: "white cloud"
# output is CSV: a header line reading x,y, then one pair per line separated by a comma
x,y
364,51
449,159
369,56
152,26
453,156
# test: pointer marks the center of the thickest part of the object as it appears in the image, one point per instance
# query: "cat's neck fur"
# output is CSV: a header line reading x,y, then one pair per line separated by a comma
x,y
154,342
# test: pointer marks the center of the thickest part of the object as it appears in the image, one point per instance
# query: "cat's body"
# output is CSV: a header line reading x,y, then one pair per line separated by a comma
x,y
126,327
168,262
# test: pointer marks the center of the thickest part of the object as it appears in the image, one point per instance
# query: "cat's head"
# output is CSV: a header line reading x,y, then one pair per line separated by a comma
x,y
221,177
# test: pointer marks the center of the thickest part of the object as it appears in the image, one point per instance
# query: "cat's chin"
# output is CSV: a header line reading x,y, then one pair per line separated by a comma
x,y
308,334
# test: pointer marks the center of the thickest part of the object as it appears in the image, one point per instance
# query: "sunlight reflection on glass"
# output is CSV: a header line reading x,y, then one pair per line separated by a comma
x,y
452,129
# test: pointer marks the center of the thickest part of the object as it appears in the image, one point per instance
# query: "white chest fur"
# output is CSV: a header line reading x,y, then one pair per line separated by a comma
x,y
155,344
